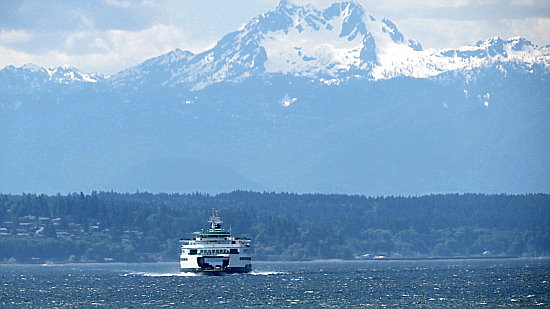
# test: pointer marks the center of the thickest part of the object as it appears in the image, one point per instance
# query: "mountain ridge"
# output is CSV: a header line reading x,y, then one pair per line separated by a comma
x,y
401,120
516,50
330,45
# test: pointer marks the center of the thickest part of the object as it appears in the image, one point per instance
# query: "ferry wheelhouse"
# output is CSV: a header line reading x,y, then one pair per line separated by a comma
x,y
215,252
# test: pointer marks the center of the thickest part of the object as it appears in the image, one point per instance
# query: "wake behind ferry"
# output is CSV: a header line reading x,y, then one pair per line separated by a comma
x,y
215,252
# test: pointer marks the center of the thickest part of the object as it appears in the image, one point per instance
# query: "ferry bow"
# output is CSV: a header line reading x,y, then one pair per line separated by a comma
x,y
215,252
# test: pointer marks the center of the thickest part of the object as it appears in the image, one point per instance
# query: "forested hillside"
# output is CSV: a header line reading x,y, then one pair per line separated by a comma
x,y
146,227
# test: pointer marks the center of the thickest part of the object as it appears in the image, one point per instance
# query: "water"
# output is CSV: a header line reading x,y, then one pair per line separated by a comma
x,y
520,283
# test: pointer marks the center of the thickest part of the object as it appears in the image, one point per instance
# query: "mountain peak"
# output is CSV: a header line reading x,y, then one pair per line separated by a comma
x,y
287,5
32,67
39,75
497,44
329,44
161,67
67,74
300,40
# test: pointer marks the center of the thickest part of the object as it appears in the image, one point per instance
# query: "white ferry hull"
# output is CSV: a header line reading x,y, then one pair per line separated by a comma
x,y
215,265
215,272
215,252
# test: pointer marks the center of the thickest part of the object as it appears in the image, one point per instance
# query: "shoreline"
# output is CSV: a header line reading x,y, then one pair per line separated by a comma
x,y
53,263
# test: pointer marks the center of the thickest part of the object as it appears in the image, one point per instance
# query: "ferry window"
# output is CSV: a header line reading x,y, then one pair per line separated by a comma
x,y
193,251
233,251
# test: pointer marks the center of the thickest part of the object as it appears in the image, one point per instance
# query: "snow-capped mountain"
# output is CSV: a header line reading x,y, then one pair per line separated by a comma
x,y
302,99
330,45
30,76
67,75
395,61
339,41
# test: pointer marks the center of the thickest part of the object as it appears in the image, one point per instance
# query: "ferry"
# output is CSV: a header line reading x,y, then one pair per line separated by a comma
x,y
215,252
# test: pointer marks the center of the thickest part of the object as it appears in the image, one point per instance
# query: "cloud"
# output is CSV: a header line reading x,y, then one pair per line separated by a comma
x,y
110,35
12,57
535,3
106,52
118,3
54,16
483,10
95,36
454,23
452,33
14,36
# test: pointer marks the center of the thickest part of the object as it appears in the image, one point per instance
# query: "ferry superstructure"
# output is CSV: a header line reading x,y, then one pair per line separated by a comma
x,y
215,252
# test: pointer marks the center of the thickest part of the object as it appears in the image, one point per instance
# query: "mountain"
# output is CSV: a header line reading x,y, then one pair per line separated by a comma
x,y
30,77
301,98
332,45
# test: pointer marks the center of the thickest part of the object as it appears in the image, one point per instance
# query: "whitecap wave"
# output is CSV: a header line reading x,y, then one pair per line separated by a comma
x,y
266,273
152,274
147,274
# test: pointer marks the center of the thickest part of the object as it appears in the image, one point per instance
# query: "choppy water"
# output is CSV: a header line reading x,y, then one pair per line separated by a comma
x,y
521,283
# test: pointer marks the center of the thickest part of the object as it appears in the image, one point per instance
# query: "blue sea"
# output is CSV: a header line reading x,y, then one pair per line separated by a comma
x,y
516,283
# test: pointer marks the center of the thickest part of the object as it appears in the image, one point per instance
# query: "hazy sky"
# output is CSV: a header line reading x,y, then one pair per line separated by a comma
x,y
109,35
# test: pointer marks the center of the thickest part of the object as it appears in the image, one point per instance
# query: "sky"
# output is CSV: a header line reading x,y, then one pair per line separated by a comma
x,y
106,36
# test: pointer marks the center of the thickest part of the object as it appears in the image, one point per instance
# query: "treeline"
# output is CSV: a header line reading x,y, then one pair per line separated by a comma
x,y
107,226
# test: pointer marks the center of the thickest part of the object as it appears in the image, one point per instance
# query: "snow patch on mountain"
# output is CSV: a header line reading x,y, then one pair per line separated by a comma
x,y
286,101
335,44
60,75
66,75
398,61
317,42
31,77
330,45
